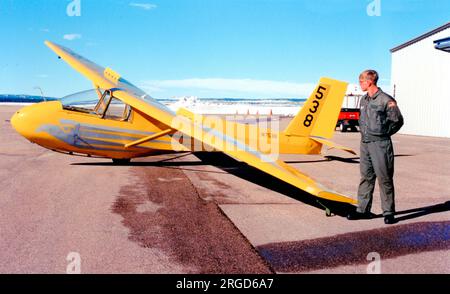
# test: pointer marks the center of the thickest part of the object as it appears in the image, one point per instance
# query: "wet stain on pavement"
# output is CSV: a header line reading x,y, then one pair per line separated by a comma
x,y
352,248
190,230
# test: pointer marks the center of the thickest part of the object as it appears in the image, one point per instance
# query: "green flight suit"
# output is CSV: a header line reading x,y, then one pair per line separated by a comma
x,y
380,118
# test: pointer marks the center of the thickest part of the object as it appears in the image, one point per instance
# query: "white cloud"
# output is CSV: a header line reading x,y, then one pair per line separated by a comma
x,y
145,6
91,44
263,88
72,37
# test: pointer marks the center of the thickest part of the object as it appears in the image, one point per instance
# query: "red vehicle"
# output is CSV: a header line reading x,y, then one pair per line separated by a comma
x,y
349,115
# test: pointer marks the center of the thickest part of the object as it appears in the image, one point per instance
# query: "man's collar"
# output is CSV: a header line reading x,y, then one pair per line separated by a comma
x,y
376,94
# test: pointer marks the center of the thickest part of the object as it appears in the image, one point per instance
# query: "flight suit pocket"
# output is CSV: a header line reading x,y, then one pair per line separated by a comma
x,y
381,120
386,146
377,120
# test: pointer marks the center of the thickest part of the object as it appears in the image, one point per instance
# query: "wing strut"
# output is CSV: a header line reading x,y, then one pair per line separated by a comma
x,y
149,138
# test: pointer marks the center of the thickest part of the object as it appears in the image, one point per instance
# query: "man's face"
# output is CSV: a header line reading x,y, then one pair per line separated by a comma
x,y
364,84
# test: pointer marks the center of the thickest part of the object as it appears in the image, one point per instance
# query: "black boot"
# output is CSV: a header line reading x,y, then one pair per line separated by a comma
x,y
358,215
389,219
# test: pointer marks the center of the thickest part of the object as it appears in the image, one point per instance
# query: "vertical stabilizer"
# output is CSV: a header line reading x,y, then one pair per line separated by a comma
x,y
319,114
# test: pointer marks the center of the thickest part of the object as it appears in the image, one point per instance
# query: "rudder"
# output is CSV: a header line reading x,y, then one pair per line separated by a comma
x,y
319,114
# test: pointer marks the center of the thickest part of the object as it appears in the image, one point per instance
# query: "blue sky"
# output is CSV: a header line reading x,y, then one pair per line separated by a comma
x,y
215,48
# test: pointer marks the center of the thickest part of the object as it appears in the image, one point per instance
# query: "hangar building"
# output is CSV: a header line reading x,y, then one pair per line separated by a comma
x,y
420,82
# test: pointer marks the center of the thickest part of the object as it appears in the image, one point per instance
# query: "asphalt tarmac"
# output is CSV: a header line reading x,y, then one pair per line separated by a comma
x,y
208,213
119,219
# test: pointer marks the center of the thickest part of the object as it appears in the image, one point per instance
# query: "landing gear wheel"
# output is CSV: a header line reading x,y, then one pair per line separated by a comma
x,y
121,161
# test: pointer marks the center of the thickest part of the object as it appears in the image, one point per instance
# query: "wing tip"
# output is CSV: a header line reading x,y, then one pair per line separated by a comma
x,y
51,45
54,47
337,197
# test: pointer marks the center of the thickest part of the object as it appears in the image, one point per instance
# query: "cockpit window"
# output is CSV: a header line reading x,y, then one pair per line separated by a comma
x,y
84,101
117,110
103,103
98,102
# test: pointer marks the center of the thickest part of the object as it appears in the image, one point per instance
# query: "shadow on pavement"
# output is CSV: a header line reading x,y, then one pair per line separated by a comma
x,y
353,248
418,212
242,170
254,175
337,158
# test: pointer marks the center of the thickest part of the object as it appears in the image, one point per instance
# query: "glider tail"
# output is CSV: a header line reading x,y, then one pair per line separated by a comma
x,y
319,114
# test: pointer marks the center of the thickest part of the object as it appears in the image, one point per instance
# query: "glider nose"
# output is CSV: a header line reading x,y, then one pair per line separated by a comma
x,y
23,123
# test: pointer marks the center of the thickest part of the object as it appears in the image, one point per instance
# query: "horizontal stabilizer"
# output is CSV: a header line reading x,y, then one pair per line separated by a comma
x,y
332,145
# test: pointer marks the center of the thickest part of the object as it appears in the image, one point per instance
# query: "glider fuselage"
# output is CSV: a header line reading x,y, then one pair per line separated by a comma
x,y
72,131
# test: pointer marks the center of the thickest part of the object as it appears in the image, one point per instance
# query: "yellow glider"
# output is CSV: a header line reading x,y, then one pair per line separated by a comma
x,y
120,121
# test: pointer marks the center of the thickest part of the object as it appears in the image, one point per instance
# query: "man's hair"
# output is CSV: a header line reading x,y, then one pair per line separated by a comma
x,y
370,74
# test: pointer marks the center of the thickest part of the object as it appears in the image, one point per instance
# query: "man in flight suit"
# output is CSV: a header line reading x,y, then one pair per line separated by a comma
x,y
380,118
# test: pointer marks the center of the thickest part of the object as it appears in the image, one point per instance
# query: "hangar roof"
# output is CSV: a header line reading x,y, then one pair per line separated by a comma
x,y
426,35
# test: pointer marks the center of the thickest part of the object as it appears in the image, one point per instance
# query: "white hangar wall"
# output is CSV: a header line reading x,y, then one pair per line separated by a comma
x,y
421,84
